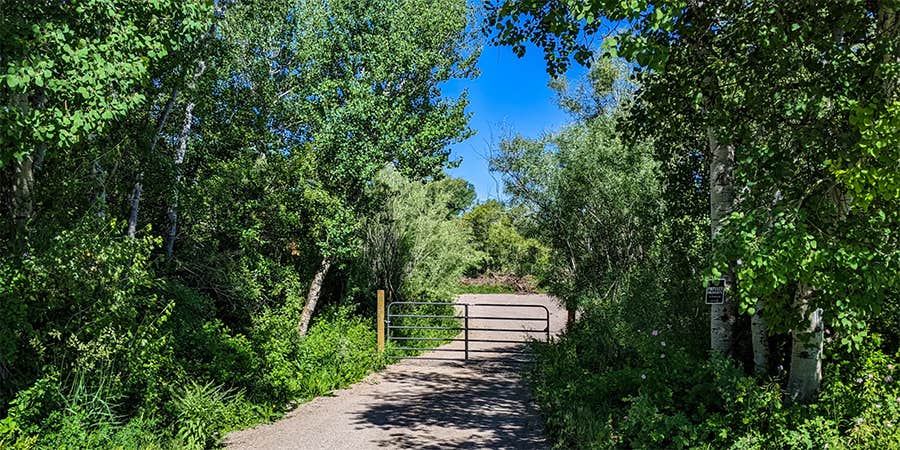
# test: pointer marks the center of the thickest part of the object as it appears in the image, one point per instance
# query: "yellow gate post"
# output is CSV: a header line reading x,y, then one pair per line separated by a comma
x,y
380,320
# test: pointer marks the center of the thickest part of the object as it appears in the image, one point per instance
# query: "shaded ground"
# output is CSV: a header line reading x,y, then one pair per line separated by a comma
x,y
426,404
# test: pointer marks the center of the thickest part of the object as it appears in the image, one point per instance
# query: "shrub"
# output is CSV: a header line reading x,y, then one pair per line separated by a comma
x,y
601,388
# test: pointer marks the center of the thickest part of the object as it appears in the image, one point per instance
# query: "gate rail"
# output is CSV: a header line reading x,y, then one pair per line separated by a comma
x,y
465,328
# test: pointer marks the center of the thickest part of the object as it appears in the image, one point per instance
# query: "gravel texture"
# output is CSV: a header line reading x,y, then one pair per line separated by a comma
x,y
428,404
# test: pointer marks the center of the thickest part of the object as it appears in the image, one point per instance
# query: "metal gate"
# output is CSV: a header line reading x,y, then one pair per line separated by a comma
x,y
465,314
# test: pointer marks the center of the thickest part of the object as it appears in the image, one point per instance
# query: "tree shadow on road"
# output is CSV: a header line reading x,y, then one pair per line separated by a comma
x,y
482,405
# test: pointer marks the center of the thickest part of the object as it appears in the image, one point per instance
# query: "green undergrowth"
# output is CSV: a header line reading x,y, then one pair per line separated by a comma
x,y
602,387
209,381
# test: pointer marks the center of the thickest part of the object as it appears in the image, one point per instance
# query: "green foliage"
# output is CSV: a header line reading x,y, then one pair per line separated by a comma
x,y
85,300
245,136
503,247
412,247
870,173
593,197
71,69
199,412
605,386
90,410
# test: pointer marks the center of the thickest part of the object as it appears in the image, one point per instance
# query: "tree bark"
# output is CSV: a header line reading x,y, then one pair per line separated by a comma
x,y
721,198
22,204
135,205
806,349
138,188
759,331
172,212
315,289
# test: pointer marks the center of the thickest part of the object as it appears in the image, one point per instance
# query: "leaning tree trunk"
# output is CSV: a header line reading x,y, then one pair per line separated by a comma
x,y
135,206
759,331
172,212
721,197
806,349
315,289
138,188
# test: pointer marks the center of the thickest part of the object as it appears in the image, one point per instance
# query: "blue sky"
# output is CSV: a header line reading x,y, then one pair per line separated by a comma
x,y
510,96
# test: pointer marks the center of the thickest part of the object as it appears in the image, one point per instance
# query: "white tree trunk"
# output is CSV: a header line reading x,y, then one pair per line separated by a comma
x,y
806,349
315,290
22,204
759,331
721,197
138,188
172,212
136,192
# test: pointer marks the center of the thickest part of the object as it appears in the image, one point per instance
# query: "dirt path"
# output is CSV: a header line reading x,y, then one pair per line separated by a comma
x,y
419,404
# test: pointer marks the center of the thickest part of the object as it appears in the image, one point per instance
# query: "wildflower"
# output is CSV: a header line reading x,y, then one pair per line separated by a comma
x,y
888,379
859,420
663,343
643,377
780,368
890,367
890,424
654,333
662,355
859,381
870,376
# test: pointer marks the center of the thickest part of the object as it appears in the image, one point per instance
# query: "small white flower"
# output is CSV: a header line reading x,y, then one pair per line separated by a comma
x,y
890,424
654,333
859,381
890,367
870,376
663,343
859,420
643,377
662,355
888,378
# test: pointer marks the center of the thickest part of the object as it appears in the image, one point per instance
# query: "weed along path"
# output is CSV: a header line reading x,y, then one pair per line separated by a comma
x,y
426,404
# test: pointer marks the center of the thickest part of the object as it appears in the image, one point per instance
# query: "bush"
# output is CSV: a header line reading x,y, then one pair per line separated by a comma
x,y
600,388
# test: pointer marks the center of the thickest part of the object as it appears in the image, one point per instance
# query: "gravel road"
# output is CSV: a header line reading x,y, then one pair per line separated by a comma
x,y
426,404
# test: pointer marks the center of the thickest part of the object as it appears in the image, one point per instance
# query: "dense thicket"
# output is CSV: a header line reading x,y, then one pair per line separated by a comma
x,y
184,181
498,232
773,136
